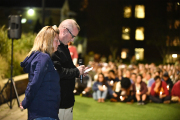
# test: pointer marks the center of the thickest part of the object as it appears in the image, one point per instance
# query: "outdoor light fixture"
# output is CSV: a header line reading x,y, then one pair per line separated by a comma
x,y
30,12
174,55
23,20
137,56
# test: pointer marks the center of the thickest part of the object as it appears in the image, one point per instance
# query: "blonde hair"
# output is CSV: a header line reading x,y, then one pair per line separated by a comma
x,y
44,40
69,23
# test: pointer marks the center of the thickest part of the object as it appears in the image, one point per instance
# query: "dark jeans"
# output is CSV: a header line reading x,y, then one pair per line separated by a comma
x,y
45,118
159,100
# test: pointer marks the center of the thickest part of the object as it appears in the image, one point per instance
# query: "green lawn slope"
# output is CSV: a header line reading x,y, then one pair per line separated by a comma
x,y
89,109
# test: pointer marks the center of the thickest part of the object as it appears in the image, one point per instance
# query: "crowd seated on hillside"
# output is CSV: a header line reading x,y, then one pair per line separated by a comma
x,y
141,83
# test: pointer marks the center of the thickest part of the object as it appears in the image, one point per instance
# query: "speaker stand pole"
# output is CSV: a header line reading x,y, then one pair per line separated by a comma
x,y
12,81
11,74
12,84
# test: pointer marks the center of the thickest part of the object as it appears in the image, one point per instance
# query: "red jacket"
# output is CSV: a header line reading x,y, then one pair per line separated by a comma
x,y
176,89
163,89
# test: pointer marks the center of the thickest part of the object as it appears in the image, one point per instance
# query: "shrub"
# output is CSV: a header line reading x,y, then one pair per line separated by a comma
x,y
21,48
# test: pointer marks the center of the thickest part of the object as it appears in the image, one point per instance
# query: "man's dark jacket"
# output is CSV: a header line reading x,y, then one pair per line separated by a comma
x,y
68,72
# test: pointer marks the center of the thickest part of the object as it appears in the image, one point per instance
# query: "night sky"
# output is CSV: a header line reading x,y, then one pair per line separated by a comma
x,y
31,3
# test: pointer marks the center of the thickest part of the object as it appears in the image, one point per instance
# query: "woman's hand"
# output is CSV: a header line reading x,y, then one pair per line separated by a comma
x,y
101,88
21,106
115,95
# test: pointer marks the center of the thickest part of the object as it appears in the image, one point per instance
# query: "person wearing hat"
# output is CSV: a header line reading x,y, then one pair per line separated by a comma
x,y
168,81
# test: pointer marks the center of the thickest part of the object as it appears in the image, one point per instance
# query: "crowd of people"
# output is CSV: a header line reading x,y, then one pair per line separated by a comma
x,y
141,83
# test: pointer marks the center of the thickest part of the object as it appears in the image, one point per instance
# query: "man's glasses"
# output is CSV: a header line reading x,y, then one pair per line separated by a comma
x,y
73,36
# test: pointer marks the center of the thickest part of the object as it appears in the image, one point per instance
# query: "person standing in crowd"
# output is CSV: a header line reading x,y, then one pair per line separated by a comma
x,y
140,90
159,91
42,95
101,89
68,30
168,81
73,52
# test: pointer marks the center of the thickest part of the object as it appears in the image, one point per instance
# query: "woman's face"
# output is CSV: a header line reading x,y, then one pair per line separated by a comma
x,y
100,78
138,79
56,42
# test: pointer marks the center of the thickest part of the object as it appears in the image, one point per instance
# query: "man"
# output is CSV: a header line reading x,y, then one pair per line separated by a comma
x,y
133,78
159,92
168,81
68,30
151,81
111,79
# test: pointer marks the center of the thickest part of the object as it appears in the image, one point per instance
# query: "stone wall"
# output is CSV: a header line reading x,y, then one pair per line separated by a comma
x,y
21,82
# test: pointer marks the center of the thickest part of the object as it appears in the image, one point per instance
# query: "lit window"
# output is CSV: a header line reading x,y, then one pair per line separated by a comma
x,y
139,33
140,11
124,53
174,55
176,24
127,12
139,53
125,33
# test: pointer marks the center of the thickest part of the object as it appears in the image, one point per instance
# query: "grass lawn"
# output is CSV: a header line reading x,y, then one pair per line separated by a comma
x,y
89,109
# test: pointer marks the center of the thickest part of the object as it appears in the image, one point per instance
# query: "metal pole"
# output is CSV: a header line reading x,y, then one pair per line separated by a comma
x,y
43,12
11,75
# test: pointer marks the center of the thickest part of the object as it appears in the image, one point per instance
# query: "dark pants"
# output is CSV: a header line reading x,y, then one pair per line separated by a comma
x,y
159,100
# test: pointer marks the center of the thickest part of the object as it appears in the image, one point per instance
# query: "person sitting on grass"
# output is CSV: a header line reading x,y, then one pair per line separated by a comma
x,y
175,93
111,79
101,89
126,93
168,81
159,92
140,90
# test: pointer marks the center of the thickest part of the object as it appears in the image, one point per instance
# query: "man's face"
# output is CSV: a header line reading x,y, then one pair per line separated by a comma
x,y
66,35
165,78
156,74
133,77
158,81
148,76
111,75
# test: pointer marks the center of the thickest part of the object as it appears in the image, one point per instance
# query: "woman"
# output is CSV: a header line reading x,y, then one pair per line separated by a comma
x,y
140,90
101,88
42,95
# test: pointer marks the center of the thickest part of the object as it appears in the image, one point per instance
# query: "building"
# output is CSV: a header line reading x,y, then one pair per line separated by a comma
x,y
147,30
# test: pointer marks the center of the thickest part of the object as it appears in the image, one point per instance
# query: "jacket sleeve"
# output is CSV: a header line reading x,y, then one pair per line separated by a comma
x,y
109,89
144,88
66,73
95,86
152,90
39,72
164,85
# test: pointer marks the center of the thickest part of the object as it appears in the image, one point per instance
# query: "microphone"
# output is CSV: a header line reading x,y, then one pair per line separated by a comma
x,y
81,76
